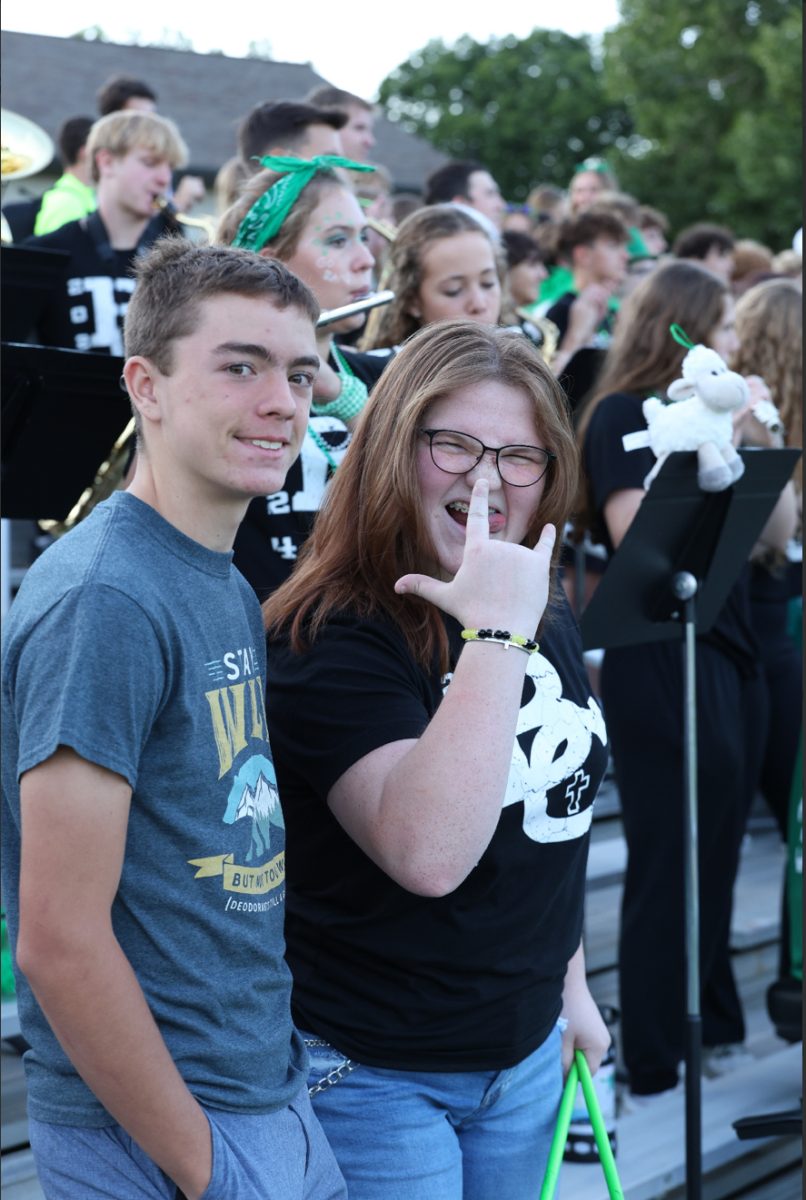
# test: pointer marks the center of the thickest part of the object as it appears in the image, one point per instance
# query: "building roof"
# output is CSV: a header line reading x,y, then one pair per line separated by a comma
x,y
47,79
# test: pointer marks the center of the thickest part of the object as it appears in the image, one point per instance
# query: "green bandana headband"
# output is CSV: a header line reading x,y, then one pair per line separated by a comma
x,y
266,216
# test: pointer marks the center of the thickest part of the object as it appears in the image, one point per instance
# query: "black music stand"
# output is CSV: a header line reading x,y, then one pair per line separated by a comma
x,y
62,413
682,544
29,277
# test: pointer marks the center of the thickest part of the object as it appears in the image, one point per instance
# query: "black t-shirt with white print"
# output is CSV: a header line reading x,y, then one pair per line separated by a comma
x,y
468,981
87,309
275,527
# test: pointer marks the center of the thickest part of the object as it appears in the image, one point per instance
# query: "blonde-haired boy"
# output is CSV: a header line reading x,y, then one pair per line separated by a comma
x,y
133,155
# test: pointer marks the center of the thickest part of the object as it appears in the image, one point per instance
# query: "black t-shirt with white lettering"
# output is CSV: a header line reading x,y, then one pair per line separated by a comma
x,y
468,981
86,311
275,527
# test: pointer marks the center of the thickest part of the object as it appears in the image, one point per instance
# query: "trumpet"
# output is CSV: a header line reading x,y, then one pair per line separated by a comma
x,y
358,306
206,224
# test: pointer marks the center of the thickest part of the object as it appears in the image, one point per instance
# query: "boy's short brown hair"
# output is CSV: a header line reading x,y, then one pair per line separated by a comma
x,y
174,279
583,230
176,276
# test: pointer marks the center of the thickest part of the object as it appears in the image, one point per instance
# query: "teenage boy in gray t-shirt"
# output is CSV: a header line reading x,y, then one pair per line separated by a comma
x,y
143,839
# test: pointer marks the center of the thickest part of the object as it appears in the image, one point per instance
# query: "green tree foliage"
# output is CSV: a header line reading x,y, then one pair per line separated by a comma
x,y
166,39
260,48
529,109
92,33
714,90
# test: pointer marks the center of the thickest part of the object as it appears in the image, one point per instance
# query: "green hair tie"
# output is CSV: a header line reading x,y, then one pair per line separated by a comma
x,y
265,218
681,337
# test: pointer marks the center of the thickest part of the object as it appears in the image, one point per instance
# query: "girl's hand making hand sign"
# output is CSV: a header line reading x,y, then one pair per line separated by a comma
x,y
499,584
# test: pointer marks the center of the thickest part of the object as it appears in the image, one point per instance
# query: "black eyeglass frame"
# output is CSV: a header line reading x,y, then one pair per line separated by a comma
x,y
431,434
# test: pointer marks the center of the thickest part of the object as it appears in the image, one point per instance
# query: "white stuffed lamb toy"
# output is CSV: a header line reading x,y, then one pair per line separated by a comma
x,y
700,419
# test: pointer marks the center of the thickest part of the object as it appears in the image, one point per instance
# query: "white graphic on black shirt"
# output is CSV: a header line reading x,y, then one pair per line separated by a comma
x,y
101,311
313,468
554,737
579,784
552,741
286,547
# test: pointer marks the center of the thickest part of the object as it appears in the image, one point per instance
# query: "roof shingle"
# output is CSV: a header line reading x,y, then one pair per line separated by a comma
x,y
50,78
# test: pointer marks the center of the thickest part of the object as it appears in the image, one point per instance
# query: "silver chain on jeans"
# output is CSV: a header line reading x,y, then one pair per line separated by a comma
x,y
338,1073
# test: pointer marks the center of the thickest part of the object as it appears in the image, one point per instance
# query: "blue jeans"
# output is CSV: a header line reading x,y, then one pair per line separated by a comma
x,y
474,1135
277,1156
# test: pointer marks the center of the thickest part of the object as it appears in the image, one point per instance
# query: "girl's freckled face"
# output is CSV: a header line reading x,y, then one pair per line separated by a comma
x,y
497,414
332,255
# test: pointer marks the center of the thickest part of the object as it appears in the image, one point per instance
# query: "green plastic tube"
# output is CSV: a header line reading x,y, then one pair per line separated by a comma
x,y
599,1129
560,1135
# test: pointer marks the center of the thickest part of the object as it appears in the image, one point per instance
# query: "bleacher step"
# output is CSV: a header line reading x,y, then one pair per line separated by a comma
x,y
651,1142
19,1179
607,859
756,911
608,803
14,1128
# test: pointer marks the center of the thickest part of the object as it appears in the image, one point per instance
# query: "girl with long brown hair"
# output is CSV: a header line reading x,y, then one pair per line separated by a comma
x,y
442,264
438,770
769,324
642,694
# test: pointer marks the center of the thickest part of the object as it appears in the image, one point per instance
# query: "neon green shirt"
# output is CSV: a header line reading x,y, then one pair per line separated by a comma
x,y
67,200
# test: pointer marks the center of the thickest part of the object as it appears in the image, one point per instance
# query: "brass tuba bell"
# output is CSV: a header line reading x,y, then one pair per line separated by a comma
x,y
26,150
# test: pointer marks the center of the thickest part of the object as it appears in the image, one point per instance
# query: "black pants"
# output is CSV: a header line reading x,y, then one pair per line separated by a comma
x,y
642,694
783,678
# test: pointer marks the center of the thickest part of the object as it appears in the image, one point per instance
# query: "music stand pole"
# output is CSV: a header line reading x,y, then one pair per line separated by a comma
x,y
684,586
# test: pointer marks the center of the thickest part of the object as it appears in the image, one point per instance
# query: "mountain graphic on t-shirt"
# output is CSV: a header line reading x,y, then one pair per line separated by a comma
x,y
262,804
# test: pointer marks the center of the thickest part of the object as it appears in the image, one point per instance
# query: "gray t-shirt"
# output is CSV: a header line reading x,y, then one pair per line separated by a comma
x,y
143,651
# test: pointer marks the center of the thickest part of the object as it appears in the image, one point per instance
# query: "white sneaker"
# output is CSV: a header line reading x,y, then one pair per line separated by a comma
x,y
631,1102
721,1060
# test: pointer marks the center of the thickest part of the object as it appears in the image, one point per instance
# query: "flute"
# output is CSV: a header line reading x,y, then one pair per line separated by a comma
x,y
357,306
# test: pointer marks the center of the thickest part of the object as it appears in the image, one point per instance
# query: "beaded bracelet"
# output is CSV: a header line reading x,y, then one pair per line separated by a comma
x,y
503,637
